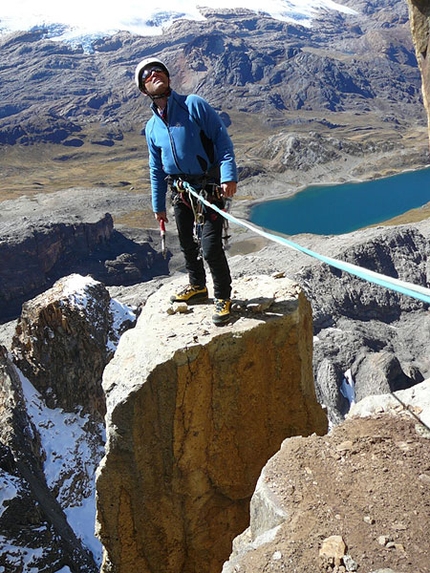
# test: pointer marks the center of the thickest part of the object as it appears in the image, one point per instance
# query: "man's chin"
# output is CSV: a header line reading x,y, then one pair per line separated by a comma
x,y
159,86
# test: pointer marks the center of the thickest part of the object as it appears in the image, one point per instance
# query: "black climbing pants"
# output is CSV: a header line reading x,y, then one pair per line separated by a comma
x,y
211,243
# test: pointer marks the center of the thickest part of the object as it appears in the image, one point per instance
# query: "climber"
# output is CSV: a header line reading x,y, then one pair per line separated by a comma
x,y
187,141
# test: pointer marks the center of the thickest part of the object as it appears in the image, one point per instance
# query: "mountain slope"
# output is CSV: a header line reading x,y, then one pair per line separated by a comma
x,y
77,116
359,65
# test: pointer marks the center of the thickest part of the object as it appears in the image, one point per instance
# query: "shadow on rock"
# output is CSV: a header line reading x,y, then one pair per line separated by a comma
x,y
120,261
115,259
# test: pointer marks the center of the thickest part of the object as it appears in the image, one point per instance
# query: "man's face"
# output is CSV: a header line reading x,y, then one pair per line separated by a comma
x,y
157,81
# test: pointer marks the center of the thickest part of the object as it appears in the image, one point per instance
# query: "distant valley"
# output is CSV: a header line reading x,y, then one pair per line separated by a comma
x,y
337,101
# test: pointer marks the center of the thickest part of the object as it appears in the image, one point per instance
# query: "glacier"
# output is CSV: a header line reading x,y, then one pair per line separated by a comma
x,y
75,21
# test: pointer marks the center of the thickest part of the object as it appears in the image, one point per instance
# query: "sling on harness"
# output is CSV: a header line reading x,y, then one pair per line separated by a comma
x,y
210,192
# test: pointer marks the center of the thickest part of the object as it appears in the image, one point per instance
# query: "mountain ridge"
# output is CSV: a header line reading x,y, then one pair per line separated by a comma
x,y
225,59
354,78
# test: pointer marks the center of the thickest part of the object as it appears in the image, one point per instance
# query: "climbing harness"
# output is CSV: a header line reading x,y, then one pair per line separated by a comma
x,y
402,287
180,194
196,201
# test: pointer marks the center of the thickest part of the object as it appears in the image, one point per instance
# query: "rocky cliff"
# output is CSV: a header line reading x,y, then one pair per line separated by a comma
x,y
419,13
193,414
71,231
31,515
56,333
35,251
48,454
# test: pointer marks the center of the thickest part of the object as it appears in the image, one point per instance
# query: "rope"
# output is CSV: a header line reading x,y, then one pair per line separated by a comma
x,y
402,287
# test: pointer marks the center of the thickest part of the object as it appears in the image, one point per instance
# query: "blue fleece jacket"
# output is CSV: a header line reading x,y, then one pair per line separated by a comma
x,y
193,140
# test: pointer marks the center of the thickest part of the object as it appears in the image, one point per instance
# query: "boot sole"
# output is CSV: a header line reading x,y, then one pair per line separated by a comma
x,y
219,321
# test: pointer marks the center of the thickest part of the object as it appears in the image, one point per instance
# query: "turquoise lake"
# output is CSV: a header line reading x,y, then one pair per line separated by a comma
x,y
338,209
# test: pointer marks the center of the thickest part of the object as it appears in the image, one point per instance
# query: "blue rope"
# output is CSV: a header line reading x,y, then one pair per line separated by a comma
x,y
409,289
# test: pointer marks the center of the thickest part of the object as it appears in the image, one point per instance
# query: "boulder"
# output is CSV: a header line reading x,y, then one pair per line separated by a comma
x,y
63,341
194,411
416,400
322,502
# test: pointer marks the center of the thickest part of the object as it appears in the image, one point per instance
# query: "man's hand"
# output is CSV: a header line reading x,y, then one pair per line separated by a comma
x,y
162,216
228,189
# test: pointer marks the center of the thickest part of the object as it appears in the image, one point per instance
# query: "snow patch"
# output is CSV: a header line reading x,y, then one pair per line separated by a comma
x,y
71,451
10,486
75,289
347,388
121,313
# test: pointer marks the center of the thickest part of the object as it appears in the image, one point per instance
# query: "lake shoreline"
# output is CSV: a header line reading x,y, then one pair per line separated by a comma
x,y
243,204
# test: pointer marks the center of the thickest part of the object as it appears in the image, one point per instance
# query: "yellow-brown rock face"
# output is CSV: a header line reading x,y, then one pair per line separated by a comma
x,y
193,414
419,14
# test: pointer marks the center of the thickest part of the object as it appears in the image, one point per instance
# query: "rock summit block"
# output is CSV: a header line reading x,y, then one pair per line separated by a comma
x,y
193,414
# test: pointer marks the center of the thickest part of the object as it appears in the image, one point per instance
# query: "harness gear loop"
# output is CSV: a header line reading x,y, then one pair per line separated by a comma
x,y
182,194
199,220
210,193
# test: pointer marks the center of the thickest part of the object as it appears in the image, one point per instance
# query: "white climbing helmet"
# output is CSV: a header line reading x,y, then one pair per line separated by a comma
x,y
144,64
